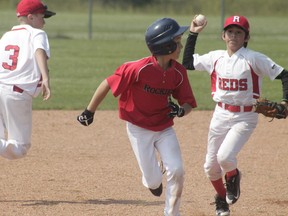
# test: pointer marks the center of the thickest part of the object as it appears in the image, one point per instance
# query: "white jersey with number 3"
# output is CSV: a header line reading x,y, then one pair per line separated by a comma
x,y
236,79
18,65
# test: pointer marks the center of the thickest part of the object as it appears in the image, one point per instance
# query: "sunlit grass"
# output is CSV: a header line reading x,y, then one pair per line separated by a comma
x,y
78,65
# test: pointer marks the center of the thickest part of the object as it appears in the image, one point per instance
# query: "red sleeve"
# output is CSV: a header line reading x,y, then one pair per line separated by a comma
x,y
122,78
184,93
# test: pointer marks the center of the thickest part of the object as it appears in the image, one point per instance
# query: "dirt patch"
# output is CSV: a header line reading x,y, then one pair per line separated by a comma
x,y
77,170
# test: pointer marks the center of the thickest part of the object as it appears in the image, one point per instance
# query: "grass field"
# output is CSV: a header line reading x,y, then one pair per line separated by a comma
x,y
78,65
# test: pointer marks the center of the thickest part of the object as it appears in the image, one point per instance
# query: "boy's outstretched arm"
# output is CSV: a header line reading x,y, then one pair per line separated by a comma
x,y
87,116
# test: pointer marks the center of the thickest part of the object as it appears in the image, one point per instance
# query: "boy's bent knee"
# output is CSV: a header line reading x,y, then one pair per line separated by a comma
x,y
176,173
227,162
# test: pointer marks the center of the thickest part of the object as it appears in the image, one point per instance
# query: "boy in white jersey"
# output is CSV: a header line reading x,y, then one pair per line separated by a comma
x,y
236,81
24,51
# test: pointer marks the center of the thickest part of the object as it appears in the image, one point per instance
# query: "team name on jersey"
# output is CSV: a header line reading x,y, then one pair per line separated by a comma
x,y
158,91
232,84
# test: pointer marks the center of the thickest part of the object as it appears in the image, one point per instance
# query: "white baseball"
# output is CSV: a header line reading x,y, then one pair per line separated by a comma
x,y
200,20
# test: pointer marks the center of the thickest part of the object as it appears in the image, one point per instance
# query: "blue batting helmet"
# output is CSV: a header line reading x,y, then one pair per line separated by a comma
x,y
160,36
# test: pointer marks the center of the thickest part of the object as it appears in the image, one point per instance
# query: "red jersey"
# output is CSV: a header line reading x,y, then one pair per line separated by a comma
x,y
144,88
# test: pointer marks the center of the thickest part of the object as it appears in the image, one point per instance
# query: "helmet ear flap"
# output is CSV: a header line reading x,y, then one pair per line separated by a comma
x,y
171,47
168,48
164,49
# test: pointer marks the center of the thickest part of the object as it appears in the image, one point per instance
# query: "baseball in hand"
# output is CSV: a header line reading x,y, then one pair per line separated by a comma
x,y
200,20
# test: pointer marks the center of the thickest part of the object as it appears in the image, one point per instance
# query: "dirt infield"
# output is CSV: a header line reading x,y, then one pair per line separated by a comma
x,y
72,170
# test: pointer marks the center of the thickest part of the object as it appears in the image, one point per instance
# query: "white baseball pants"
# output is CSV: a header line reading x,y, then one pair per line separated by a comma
x,y
228,133
16,120
145,144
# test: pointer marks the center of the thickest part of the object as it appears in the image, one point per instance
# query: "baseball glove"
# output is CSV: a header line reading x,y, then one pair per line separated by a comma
x,y
271,109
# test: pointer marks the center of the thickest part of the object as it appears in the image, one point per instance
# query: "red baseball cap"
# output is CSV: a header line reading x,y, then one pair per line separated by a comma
x,y
240,21
26,7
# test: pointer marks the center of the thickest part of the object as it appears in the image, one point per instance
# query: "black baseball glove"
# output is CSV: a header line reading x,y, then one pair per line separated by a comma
x,y
86,117
176,110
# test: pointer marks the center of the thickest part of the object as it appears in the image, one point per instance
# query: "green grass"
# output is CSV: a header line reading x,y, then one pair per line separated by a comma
x,y
78,65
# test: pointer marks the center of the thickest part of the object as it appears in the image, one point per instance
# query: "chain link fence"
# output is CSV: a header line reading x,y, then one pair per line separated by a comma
x,y
208,7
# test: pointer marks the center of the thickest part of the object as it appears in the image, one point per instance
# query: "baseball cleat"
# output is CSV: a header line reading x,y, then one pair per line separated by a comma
x,y
233,188
157,191
222,207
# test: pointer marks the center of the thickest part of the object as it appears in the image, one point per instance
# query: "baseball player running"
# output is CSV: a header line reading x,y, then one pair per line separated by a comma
x,y
236,80
143,87
24,51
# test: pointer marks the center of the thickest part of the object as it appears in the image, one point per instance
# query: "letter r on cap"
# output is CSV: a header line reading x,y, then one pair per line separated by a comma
x,y
236,19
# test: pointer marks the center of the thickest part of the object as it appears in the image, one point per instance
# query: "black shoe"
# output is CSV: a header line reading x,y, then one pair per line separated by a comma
x,y
233,188
222,207
157,191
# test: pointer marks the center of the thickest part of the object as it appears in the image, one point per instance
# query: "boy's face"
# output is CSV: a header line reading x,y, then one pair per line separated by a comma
x,y
234,37
36,20
175,55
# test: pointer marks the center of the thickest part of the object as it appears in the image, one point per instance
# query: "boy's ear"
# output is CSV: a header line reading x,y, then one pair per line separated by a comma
x,y
29,16
223,35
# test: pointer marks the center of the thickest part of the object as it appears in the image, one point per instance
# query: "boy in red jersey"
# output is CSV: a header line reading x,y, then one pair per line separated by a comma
x,y
145,88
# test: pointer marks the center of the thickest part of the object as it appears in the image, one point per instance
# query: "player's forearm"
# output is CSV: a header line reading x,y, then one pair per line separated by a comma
x,y
285,86
187,108
41,59
284,78
98,96
189,51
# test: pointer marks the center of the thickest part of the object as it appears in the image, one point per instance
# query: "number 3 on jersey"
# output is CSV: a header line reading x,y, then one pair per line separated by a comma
x,y
13,57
